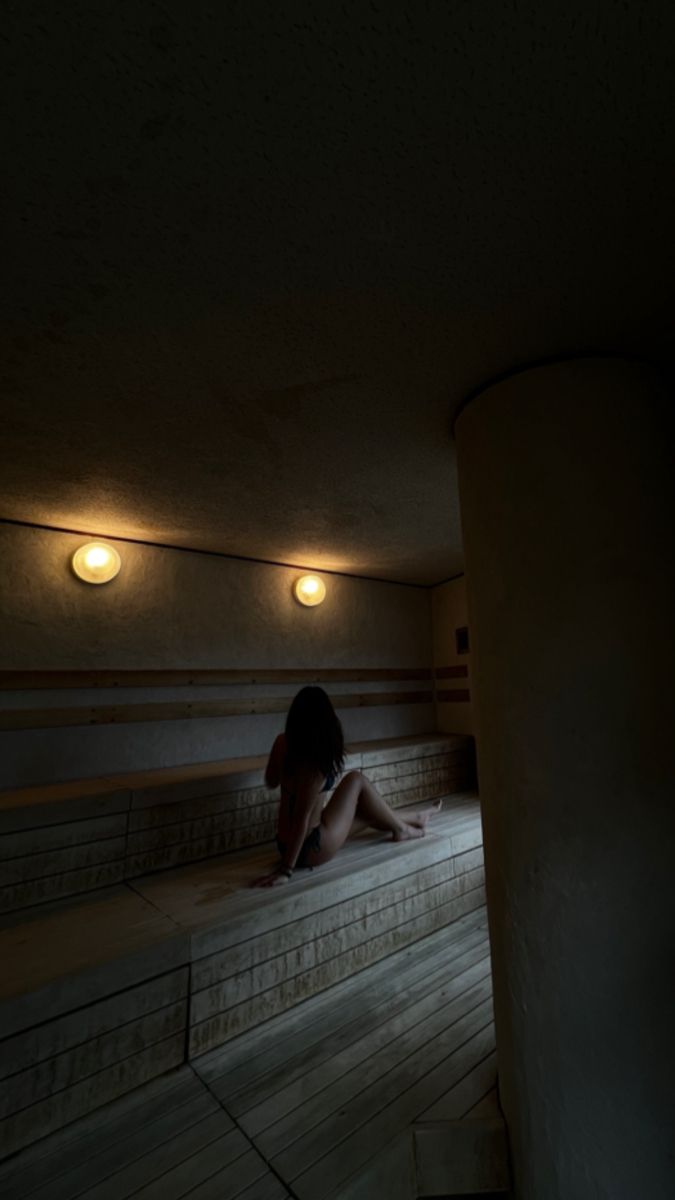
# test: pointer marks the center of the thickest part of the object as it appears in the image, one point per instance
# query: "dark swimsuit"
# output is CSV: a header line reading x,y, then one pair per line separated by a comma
x,y
313,839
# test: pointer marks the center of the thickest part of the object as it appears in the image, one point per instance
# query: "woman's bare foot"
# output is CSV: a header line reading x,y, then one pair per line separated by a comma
x,y
419,818
407,831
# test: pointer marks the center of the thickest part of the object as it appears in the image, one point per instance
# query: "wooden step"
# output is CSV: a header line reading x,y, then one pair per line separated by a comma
x,y
330,1093
163,1142
109,991
70,839
324,1101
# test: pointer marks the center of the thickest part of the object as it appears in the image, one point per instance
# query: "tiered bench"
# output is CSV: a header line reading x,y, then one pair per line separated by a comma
x,y
383,1085
67,839
114,987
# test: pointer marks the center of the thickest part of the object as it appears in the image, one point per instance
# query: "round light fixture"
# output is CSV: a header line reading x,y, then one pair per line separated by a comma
x,y
309,590
96,562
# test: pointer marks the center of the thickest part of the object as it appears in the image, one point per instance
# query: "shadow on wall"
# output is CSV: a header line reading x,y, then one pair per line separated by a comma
x,y
452,653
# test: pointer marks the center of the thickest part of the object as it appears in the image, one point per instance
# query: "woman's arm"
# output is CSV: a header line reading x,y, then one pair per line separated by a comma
x,y
308,787
302,808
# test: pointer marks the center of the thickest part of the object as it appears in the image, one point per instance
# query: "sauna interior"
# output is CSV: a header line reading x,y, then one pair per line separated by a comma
x,y
379,295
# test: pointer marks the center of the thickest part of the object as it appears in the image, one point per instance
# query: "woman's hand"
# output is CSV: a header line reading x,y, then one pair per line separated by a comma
x,y
270,880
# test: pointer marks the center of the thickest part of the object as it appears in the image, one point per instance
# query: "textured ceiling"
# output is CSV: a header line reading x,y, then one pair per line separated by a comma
x,y
259,253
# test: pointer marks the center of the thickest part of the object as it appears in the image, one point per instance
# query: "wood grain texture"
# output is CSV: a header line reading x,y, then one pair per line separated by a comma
x,y
218,1028
185,710
345,1015
212,676
267,1051
56,1111
342,1143
80,1028
453,696
329,1089
103,1004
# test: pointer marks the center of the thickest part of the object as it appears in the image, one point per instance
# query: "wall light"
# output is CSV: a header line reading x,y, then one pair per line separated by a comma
x,y
96,562
309,590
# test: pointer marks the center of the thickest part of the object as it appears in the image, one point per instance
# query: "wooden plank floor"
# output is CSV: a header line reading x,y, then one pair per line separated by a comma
x,y
167,1140
326,1089
304,1106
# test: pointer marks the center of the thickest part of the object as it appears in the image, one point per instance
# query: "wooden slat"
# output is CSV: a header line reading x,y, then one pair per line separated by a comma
x,y
214,803
197,895
453,695
299,1142
195,826
60,836
319,925
448,760
55,887
203,677
124,714
161,785
325,1070
222,920
229,1183
114,1126
293,1135
53,1077
161,1161
454,1104
362,865
221,1158
55,862
319,956
390,1173
73,955
201,848
79,1028
269,1047
268,1187
243,1085
116,1149
54,1112
352,1137
217,1028
459,671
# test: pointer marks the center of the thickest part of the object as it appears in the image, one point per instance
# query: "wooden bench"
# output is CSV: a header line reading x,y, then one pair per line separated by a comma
x,y
383,1085
68,839
110,990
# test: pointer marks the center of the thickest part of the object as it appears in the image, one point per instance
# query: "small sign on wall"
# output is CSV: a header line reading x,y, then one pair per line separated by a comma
x,y
462,640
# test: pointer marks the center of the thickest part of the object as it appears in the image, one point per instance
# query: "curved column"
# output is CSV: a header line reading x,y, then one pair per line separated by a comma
x,y
568,512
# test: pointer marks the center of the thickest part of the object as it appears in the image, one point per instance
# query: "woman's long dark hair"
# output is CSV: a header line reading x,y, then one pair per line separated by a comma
x,y
314,736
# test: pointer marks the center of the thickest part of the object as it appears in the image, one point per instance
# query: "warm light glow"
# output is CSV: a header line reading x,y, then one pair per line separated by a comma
x,y
98,556
96,562
309,590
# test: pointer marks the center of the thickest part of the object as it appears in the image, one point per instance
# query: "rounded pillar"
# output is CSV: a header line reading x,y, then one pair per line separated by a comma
x,y
568,512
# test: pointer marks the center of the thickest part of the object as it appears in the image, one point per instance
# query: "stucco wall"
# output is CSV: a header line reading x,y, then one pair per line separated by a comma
x,y
567,494
170,608
449,612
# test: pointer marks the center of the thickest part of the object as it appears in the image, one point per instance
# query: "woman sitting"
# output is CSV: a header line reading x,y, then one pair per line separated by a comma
x,y
306,761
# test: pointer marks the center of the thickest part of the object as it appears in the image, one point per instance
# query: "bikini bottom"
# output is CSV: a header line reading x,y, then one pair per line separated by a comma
x,y
311,842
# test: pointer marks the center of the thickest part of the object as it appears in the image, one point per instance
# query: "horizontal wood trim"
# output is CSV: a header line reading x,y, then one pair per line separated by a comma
x,y
208,677
453,696
124,714
459,671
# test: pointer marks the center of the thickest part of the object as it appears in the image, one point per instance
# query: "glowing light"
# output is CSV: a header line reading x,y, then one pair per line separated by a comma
x,y
96,562
309,590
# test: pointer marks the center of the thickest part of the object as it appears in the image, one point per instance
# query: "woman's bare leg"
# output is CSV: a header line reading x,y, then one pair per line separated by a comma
x,y
355,805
